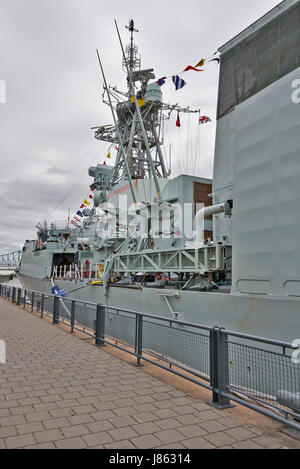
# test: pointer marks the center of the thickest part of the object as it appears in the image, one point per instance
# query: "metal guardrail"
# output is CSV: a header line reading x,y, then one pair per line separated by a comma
x,y
256,372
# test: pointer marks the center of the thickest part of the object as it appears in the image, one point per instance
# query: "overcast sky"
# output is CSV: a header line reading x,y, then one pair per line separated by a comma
x,y
53,92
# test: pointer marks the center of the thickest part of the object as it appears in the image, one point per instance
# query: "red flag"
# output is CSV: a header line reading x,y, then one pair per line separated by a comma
x,y
192,68
204,119
82,206
104,164
178,124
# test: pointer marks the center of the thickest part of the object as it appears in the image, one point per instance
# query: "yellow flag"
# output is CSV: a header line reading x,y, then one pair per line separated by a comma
x,y
86,202
109,156
141,102
201,63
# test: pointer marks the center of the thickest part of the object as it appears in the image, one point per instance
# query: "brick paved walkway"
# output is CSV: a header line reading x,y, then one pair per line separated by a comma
x,y
58,391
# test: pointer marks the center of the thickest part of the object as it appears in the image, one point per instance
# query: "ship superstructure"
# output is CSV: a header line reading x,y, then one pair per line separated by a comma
x,y
214,252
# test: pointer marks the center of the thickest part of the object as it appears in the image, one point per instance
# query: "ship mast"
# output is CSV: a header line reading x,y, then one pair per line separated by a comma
x,y
139,114
139,120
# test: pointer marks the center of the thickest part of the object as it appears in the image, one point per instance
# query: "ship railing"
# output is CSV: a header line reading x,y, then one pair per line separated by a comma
x,y
84,272
256,372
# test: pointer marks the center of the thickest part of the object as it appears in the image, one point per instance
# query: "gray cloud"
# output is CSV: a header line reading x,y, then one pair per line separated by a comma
x,y
54,92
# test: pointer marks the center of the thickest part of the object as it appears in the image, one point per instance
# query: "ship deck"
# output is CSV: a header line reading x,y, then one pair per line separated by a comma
x,y
57,390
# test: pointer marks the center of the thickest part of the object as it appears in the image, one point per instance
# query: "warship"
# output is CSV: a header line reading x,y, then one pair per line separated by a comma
x,y
213,252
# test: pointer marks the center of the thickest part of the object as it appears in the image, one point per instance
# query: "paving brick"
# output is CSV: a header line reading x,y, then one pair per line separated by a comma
x,y
75,430
197,443
247,444
208,415
123,433
81,418
147,407
41,446
167,404
191,431
4,413
213,426
124,411
169,436
30,427
240,433
12,420
220,439
105,406
8,431
61,413
38,416
30,401
165,413
200,406
83,409
48,435
122,421
100,426
145,417
166,424
20,441
56,423
189,419
268,442
124,444
146,428
2,444
45,406
96,439
172,446
182,401
228,422
28,409
146,442
71,443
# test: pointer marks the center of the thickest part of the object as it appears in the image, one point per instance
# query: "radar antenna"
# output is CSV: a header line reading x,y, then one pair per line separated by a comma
x,y
133,57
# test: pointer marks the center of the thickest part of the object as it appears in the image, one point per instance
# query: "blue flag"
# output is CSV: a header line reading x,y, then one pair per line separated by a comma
x,y
161,81
178,82
79,213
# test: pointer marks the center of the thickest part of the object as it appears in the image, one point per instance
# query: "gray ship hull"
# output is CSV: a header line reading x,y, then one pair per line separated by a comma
x,y
266,316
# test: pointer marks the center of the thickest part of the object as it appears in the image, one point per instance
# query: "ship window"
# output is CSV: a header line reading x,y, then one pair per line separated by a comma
x,y
259,60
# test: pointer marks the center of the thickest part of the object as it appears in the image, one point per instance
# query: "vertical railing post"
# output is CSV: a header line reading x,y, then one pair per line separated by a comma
x,y
42,305
73,305
139,338
19,296
56,310
13,296
32,302
219,369
100,326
